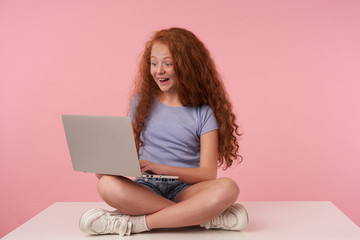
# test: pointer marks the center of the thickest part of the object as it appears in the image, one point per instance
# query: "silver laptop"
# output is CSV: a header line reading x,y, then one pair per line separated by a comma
x,y
104,145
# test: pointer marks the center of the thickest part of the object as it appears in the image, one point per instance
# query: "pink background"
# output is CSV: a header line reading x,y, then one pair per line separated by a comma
x,y
291,69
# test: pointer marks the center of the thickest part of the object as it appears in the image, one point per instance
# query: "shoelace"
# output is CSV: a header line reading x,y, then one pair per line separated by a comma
x,y
217,222
121,222
221,220
125,228
112,223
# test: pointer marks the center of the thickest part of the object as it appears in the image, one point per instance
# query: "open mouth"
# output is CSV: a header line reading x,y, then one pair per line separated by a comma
x,y
162,80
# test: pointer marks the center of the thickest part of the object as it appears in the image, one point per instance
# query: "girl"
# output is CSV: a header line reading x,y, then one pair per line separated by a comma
x,y
183,126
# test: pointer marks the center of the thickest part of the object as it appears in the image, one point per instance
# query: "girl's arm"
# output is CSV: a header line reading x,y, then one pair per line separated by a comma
x,y
208,162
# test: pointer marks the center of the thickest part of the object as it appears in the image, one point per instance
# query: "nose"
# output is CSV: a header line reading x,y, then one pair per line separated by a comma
x,y
160,69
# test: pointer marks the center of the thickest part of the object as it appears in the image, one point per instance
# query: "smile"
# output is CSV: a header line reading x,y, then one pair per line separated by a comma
x,y
163,79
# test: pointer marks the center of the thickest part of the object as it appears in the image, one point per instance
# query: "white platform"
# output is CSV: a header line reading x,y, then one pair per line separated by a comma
x,y
268,220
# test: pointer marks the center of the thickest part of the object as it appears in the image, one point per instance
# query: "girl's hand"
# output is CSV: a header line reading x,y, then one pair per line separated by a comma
x,y
147,166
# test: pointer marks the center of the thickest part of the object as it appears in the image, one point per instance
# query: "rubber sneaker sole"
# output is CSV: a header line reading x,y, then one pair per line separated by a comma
x,y
88,218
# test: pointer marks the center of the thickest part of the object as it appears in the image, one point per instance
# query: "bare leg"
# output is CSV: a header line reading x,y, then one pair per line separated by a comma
x,y
195,205
130,197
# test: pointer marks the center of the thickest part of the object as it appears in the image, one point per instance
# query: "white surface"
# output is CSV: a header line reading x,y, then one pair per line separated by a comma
x,y
268,220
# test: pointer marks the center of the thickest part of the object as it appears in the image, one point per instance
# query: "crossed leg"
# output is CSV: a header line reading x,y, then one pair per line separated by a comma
x,y
195,205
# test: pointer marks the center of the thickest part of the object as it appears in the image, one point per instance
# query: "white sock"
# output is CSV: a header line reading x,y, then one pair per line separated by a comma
x,y
138,224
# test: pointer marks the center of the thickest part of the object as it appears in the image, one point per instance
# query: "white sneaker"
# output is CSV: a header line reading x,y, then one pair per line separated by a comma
x,y
100,221
233,218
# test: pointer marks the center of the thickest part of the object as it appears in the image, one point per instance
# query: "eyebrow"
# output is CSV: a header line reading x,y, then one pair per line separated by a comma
x,y
162,58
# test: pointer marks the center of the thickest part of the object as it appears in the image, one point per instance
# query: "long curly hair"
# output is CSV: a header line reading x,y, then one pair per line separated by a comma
x,y
198,83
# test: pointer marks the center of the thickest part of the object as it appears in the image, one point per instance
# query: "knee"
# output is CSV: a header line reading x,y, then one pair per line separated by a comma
x,y
108,187
104,184
227,192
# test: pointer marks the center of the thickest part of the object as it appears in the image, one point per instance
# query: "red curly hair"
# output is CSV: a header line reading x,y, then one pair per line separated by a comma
x,y
198,83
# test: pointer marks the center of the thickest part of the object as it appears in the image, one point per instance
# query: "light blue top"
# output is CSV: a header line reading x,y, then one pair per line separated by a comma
x,y
172,134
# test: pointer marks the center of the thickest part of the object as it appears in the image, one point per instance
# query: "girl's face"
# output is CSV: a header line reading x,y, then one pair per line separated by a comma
x,y
162,68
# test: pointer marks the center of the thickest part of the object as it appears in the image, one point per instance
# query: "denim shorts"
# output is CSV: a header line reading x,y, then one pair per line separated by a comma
x,y
167,188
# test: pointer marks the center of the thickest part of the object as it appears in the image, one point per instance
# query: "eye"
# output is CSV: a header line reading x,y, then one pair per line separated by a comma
x,y
154,64
168,64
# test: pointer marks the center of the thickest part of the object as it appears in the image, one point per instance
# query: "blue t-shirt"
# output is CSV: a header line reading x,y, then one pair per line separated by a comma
x,y
172,134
